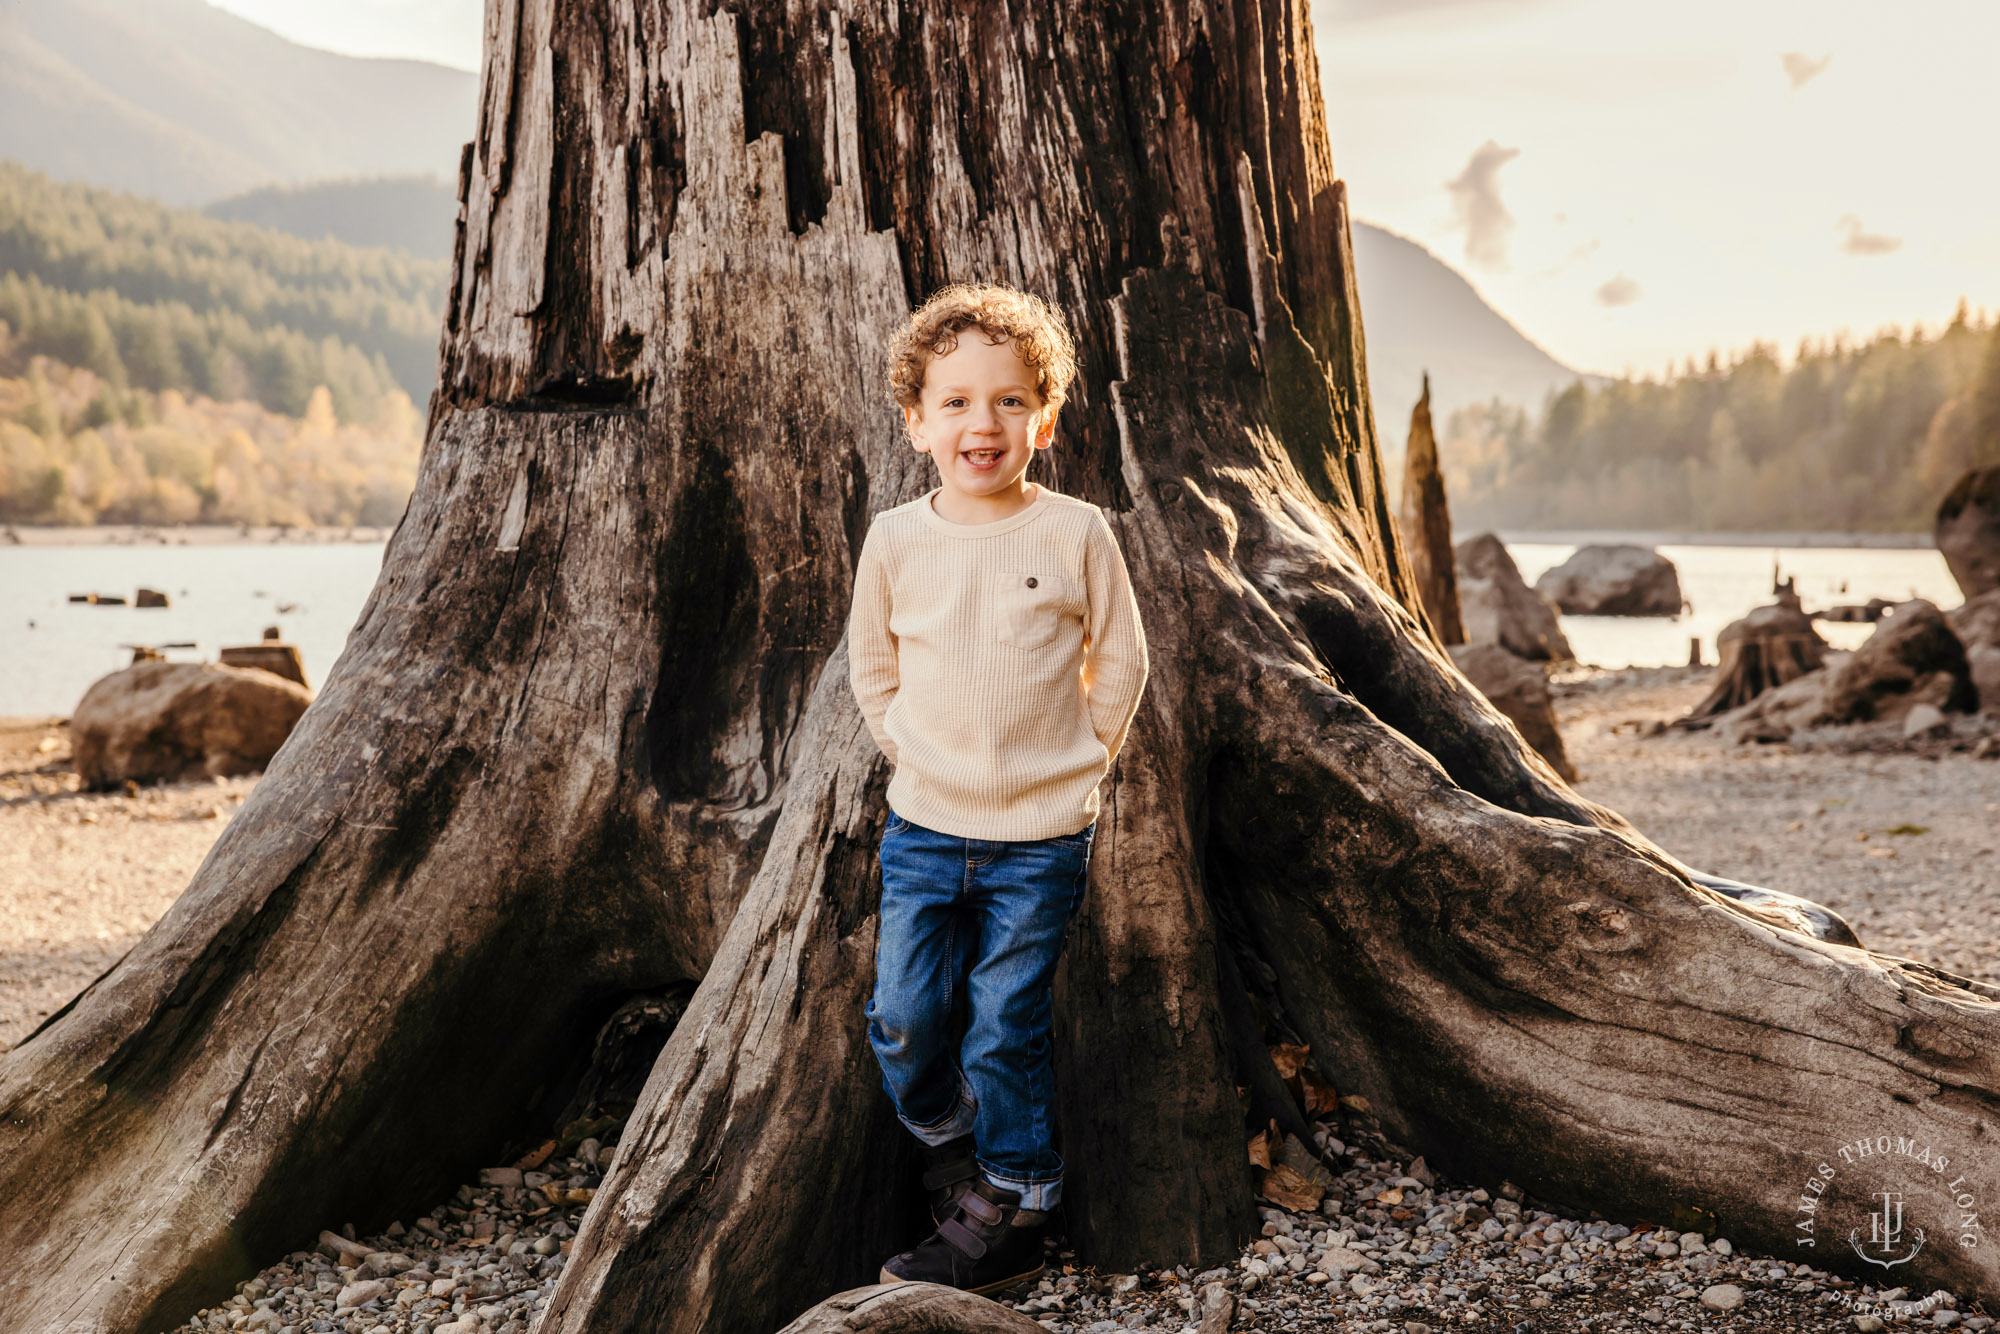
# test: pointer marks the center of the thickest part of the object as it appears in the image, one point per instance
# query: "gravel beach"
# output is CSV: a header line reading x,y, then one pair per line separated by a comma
x,y
1903,845
83,875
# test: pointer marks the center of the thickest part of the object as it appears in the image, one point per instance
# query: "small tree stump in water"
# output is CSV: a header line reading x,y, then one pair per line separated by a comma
x,y
1764,650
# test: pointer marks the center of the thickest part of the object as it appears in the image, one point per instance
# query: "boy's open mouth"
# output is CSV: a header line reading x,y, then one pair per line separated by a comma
x,y
981,458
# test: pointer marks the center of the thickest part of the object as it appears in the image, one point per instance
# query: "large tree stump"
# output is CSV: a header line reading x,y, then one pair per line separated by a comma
x,y
1768,648
1426,526
591,738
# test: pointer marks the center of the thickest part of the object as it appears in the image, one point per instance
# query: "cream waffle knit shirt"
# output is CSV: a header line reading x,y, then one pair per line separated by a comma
x,y
997,664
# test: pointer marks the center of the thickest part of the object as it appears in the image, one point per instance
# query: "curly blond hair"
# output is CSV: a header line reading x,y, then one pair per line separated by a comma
x,y
1003,314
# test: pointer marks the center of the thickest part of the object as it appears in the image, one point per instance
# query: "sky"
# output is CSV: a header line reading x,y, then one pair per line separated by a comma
x,y
1630,183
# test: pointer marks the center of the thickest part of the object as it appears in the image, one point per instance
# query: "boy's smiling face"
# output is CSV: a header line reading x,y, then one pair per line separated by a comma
x,y
980,418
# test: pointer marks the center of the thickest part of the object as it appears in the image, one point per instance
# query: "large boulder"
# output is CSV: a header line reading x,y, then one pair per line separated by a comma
x,y
1520,690
1614,580
1968,531
1977,625
163,721
1496,606
1914,657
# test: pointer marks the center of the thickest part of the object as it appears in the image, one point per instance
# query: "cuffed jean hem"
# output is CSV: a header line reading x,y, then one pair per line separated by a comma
x,y
1042,1195
955,1126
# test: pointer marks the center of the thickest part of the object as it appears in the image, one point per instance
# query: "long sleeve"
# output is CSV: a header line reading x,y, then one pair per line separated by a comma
x,y
871,646
1115,666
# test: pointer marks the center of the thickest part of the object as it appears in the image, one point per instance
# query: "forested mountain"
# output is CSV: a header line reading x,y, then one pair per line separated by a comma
x,y
1852,437
179,100
408,213
1420,314
159,298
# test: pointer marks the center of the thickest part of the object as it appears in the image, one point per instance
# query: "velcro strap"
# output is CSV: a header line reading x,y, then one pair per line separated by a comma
x,y
962,1238
981,1208
951,1173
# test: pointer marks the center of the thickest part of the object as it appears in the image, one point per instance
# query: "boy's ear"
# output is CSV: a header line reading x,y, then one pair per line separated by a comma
x,y
911,417
1045,434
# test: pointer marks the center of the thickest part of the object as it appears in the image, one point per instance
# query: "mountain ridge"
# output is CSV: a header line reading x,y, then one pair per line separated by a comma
x,y
187,103
1419,313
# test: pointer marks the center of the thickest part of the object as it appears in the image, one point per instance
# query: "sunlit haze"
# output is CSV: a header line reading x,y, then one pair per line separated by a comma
x,y
1631,184
1676,181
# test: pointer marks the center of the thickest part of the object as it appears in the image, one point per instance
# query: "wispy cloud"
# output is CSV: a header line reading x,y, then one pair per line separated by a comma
x,y
1855,241
1618,290
1802,69
1476,206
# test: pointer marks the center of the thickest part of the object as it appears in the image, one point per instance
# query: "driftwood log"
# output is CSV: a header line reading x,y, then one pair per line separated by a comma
x,y
909,1308
1426,526
591,736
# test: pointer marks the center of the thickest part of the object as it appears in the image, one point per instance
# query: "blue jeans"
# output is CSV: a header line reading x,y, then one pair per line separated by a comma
x,y
978,923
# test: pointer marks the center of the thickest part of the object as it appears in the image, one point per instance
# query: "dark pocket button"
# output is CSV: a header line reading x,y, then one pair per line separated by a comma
x,y
1032,583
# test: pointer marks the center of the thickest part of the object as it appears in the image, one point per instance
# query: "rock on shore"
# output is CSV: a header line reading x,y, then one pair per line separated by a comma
x,y
1614,580
165,721
1968,531
1496,606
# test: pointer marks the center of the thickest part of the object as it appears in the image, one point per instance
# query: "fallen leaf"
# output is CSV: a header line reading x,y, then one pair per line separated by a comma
x,y
1354,1102
1907,829
1289,1058
1260,1150
1288,1190
537,1157
1320,1095
1881,852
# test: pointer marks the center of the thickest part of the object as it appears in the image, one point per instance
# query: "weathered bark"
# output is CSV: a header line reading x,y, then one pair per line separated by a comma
x,y
1426,526
1520,690
591,737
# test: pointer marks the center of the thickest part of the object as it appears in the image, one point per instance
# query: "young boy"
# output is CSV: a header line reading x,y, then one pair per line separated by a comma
x,y
996,652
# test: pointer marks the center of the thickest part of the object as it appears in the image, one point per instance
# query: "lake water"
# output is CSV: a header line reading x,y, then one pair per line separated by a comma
x,y
52,649
1721,583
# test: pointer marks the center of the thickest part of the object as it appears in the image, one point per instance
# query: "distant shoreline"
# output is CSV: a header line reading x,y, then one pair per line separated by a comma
x,y
190,535
184,535
1561,538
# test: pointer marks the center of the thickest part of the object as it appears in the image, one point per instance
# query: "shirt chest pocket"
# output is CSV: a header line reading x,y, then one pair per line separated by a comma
x,y
1033,605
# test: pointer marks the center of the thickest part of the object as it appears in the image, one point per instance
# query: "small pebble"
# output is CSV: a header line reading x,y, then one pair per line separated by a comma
x,y
1722,1297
